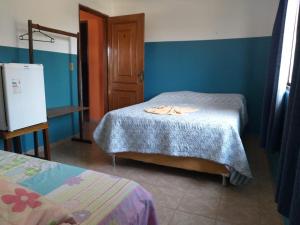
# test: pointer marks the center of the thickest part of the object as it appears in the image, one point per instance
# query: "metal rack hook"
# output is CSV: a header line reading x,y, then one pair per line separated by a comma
x,y
51,39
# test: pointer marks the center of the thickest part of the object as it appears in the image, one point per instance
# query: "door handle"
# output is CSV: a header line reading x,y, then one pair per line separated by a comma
x,y
141,76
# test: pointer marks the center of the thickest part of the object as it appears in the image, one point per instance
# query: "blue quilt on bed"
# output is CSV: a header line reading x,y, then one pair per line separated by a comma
x,y
212,132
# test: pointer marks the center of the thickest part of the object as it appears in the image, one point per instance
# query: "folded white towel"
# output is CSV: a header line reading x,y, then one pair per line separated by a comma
x,y
170,110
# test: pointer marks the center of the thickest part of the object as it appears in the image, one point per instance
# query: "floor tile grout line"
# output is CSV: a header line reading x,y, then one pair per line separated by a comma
x,y
218,206
184,194
196,214
171,219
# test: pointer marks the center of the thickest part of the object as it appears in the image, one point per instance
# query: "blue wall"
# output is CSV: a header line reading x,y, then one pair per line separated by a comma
x,y
60,85
229,66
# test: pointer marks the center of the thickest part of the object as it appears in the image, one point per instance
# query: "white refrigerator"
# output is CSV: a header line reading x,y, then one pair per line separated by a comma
x,y
22,96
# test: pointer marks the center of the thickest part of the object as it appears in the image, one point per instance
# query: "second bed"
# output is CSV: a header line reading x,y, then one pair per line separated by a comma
x,y
207,140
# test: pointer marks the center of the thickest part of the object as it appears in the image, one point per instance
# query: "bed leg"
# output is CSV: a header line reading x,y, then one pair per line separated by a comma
x,y
114,161
224,180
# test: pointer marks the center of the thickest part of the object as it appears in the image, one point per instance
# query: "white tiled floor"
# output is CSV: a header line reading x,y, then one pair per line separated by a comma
x,y
188,198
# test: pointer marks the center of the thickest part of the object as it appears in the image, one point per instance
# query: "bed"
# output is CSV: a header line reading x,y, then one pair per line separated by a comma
x,y
92,198
207,140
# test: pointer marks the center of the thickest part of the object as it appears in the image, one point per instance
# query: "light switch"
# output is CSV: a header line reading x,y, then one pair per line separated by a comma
x,y
71,65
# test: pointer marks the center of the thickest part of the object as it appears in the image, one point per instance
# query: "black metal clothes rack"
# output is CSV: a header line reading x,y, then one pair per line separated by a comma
x,y
60,111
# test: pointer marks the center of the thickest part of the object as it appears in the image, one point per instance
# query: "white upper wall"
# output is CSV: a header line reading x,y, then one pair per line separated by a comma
x,y
59,14
166,20
178,20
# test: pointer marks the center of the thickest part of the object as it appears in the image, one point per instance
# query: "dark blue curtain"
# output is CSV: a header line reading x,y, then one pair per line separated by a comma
x,y
288,188
273,108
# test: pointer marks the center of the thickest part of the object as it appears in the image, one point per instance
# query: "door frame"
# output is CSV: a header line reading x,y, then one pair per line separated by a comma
x,y
105,48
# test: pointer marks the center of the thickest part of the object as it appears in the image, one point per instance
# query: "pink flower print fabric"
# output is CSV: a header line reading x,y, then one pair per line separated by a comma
x,y
73,181
21,206
22,199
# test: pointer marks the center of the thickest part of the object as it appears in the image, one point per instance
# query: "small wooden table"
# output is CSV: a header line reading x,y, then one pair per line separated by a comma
x,y
8,136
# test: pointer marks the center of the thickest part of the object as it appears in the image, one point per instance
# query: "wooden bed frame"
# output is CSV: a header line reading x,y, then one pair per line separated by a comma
x,y
187,163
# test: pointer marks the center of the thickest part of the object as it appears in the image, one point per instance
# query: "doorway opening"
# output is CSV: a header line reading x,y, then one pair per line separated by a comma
x,y
93,46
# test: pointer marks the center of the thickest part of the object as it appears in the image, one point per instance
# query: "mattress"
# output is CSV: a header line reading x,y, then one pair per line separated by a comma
x,y
212,132
93,198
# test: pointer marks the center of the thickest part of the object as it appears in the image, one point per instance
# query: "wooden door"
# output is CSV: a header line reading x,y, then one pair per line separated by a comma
x,y
125,60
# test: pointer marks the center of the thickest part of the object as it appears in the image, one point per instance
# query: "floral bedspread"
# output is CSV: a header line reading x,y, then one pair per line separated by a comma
x,y
92,198
21,206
